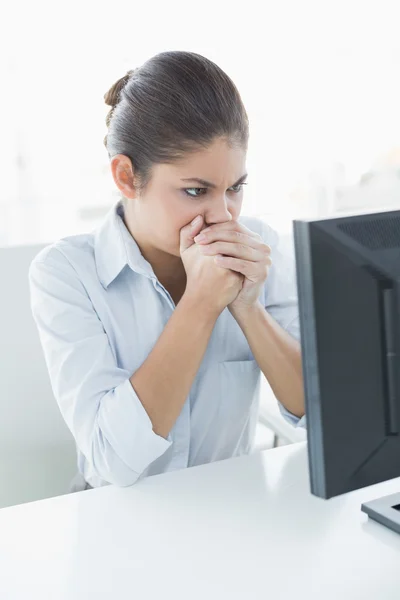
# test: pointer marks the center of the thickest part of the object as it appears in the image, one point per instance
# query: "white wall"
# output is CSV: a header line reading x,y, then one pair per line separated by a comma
x,y
37,451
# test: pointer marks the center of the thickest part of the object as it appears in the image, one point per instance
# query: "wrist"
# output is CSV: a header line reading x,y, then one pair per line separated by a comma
x,y
246,311
201,308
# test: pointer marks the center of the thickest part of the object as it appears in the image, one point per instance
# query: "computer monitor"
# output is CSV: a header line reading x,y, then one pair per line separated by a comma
x,y
348,281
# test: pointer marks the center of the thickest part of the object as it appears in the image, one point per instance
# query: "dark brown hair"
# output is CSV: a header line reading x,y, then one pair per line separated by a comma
x,y
175,103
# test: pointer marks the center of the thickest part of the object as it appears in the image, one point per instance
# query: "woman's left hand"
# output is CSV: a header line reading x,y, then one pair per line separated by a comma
x,y
238,248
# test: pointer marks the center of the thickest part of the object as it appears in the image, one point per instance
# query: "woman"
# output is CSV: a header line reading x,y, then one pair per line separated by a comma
x,y
156,325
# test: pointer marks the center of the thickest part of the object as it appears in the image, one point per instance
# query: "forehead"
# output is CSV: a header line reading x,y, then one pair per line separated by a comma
x,y
216,163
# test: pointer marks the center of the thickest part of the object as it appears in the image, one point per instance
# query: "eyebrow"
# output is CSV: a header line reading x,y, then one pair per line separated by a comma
x,y
212,185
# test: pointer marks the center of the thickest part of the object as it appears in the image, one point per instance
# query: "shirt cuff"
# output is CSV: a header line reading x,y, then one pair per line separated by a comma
x,y
291,418
132,438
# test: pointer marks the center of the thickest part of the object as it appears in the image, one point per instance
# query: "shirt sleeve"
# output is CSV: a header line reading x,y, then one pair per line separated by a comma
x,y
281,295
97,401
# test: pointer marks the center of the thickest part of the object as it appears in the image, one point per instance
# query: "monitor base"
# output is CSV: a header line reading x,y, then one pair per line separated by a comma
x,y
385,510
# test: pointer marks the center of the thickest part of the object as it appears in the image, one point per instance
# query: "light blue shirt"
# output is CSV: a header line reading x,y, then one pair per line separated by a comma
x,y
100,309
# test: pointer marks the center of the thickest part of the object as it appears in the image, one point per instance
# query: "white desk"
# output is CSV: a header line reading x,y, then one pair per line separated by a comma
x,y
244,528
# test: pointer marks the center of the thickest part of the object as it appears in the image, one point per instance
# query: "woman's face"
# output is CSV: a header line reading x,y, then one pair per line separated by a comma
x,y
173,197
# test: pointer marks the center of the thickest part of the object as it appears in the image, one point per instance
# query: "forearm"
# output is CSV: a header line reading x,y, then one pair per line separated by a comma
x,y
164,379
278,355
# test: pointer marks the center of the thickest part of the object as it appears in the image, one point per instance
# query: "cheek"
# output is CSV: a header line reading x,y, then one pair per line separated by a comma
x,y
185,215
172,225
168,217
237,207
173,216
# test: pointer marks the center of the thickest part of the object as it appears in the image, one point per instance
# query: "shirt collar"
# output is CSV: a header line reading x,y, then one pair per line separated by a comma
x,y
115,248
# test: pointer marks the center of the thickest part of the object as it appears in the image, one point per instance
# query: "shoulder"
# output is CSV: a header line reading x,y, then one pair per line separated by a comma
x,y
67,254
63,275
67,263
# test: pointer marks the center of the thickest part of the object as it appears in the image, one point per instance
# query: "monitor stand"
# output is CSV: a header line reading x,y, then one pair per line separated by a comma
x,y
385,510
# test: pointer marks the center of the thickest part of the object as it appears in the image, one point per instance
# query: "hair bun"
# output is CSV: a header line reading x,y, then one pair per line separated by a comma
x,y
112,97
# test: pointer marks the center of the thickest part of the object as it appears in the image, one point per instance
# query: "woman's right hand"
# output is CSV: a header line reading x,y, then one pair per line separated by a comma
x,y
206,281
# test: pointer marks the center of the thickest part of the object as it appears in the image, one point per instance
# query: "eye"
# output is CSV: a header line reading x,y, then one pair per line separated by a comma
x,y
236,189
188,190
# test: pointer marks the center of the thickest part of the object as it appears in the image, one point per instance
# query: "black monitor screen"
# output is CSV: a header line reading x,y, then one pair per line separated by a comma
x,y
348,280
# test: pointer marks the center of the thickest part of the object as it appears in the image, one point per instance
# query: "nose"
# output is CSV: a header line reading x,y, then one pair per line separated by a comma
x,y
217,212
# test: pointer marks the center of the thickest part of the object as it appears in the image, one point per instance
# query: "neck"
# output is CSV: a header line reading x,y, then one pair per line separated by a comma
x,y
168,268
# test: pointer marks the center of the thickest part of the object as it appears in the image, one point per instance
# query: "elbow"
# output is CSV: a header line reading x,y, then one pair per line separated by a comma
x,y
122,443
108,466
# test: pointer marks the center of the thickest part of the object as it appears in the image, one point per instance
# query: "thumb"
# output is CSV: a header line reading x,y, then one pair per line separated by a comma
x,y
189,232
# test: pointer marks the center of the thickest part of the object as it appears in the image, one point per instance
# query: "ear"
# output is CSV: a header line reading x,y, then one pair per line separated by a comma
x,y
122,172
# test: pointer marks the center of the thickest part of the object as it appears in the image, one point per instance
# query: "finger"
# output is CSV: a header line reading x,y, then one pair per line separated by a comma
x,y
249,253
189,232
232,236
255,272
231,226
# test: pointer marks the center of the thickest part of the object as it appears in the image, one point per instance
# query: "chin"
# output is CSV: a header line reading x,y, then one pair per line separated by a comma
x,y
176,252
172,250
